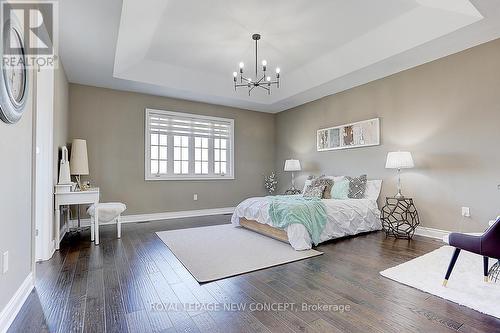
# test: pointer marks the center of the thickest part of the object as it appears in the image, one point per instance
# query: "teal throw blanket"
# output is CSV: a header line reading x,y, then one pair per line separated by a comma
x,y
288,209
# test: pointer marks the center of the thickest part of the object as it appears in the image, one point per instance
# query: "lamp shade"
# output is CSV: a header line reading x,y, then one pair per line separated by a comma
x,y
399,160
79,162
292,165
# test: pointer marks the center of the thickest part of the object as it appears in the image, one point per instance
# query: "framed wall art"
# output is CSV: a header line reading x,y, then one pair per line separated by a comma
x,y
360,134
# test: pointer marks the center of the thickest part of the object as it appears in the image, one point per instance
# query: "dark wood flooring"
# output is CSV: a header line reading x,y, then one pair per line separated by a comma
x,y
135,284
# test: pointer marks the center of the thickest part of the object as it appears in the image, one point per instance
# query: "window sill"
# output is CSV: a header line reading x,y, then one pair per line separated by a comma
x,y
190,178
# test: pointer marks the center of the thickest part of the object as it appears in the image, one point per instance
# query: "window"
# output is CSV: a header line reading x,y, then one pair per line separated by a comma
x,y
187,146
158,153
220,156
201,156
181,155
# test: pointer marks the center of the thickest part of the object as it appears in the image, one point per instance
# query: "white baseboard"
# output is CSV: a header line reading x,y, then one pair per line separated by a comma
x,y
147,218
165,215
431,232
12,308
421,231
177,215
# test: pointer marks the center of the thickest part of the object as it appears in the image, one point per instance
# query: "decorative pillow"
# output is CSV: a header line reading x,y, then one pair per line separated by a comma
x,y
372,191
340,190
327,183
307,183
314,191
357,187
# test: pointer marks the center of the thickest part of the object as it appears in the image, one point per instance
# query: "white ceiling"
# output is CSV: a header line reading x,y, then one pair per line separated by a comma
x,y
188,49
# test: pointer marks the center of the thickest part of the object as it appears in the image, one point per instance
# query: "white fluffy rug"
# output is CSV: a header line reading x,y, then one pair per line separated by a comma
x,y
216,252
465,286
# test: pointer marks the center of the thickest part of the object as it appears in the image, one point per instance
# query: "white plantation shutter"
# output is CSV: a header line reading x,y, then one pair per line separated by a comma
x,y
170,127
178,124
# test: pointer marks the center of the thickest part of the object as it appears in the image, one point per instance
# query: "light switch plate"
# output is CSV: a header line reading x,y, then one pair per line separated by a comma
x,y
195,197
5,262
465,211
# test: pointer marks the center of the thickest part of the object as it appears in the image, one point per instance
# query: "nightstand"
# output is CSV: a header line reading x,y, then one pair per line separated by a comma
x,y
90,196
494,272
292,192
399,217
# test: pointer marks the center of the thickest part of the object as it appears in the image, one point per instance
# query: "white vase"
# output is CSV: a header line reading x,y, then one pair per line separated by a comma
x,y
64,174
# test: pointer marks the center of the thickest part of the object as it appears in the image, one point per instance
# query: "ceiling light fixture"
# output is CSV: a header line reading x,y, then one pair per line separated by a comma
x,y
261,81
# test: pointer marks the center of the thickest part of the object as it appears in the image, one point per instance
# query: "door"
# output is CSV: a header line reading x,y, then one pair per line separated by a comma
x,y
44,151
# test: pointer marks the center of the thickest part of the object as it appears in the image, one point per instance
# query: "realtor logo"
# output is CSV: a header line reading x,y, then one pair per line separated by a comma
x,y
35,24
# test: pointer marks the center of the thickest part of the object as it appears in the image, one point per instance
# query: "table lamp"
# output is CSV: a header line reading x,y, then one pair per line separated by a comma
x,y
292,165
79,162
399,160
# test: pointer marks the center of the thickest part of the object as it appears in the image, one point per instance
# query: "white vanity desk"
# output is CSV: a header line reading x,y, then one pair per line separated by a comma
x,y
90,196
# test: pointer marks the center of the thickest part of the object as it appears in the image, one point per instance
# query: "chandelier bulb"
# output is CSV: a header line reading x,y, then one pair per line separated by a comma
x,y
242,65
264,63
278,70
235,74
268,78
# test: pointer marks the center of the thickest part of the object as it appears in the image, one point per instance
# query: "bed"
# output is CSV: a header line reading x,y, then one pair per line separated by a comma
x,y
344,218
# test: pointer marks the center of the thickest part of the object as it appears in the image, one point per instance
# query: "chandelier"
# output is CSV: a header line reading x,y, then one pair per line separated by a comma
x,y
263,80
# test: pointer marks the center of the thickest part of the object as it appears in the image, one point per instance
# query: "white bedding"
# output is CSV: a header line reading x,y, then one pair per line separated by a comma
x,y
345,217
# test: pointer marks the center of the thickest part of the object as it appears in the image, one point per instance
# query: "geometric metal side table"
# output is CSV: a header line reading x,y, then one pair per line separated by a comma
x,y
399,217
494,272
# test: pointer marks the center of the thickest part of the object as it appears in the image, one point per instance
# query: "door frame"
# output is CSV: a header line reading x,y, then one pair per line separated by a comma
x,y
43,168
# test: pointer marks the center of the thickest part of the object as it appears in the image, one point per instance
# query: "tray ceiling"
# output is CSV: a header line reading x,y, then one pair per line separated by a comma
x,y
188,49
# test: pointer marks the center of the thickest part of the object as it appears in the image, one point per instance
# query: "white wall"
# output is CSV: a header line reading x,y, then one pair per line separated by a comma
x,y
15,202
18,166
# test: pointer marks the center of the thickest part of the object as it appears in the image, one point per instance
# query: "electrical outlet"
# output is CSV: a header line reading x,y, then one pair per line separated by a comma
x,y
465,211
5,262
195,197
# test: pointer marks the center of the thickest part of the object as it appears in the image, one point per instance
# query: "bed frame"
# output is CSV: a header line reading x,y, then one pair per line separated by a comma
x,y
264,229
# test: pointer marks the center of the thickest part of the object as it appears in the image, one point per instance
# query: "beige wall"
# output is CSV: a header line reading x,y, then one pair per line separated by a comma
x,y
61,121
112,122
15,202
61,115
447,113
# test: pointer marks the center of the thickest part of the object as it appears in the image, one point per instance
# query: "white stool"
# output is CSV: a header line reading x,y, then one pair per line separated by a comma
x,y
110,211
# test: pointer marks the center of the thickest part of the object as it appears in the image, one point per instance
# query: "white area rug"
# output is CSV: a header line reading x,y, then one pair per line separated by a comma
x,y
216,252
465,286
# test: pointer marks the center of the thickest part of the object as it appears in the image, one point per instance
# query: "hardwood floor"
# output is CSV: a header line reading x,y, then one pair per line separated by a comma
x,y
135,284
